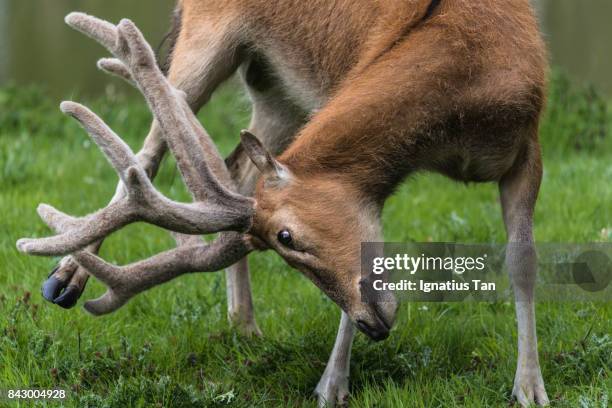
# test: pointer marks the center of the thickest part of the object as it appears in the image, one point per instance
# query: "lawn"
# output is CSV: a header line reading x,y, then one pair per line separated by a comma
x,y
172,346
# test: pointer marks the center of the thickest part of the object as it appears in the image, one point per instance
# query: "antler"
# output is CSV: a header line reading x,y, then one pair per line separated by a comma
x,y
127,281
216,207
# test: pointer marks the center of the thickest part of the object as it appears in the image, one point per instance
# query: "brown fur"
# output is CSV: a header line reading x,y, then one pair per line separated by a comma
x,y
352,97
454,96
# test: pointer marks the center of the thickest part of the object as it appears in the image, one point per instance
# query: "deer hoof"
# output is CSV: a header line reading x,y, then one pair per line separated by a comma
x,y
69,297
332,391
59,287
247,329
51,288
243,322
529,388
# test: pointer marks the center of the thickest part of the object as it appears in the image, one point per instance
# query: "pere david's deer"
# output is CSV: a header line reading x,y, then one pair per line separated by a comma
x,y
348,99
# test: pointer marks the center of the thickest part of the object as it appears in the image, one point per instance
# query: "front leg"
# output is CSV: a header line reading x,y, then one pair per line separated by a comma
x,y
519,190
275,121
239,299
333,387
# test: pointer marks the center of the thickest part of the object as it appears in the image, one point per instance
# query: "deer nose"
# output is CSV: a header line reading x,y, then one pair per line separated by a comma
x,y
376,333
375,323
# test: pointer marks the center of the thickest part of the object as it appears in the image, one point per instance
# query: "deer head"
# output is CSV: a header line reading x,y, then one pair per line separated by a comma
x,y
316,223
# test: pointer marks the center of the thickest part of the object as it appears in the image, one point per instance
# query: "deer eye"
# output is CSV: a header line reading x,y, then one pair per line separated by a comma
x,y
284,237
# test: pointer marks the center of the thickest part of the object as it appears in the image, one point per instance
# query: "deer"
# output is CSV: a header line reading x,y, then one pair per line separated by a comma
x,y
348,100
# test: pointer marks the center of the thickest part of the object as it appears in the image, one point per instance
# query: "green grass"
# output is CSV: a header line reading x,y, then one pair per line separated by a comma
x,y
172,346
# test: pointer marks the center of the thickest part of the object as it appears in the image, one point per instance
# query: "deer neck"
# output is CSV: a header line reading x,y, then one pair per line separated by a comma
x,y
372,159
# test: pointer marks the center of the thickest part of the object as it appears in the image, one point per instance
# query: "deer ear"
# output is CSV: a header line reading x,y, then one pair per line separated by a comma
x,y
270,168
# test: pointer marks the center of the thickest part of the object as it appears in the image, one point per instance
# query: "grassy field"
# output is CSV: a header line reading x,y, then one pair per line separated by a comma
x,y
173,347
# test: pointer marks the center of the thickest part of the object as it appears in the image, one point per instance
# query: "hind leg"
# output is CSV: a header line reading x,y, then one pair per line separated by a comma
x,y
519,190
205,55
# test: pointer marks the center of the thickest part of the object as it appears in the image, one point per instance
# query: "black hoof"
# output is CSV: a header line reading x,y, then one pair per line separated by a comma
x,y
52,288
69,297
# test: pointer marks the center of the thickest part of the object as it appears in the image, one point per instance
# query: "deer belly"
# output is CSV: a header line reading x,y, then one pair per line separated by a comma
x,y
480,167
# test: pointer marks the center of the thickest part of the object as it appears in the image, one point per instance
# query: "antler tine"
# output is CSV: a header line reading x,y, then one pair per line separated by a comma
x,y
125,282
55,219
114,148
102,31
88,229
116,67
73,232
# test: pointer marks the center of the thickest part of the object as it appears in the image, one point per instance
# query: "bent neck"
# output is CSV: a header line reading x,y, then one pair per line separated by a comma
x,y
372,161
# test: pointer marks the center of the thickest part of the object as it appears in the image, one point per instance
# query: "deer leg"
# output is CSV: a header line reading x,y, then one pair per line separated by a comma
x,y
201,60
519,190
333,388
275,122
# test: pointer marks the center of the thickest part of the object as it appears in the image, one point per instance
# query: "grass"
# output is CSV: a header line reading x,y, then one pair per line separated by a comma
x,y
172,346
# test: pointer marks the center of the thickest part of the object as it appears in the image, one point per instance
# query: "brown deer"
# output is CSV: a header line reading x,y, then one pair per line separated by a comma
x,y
348,99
